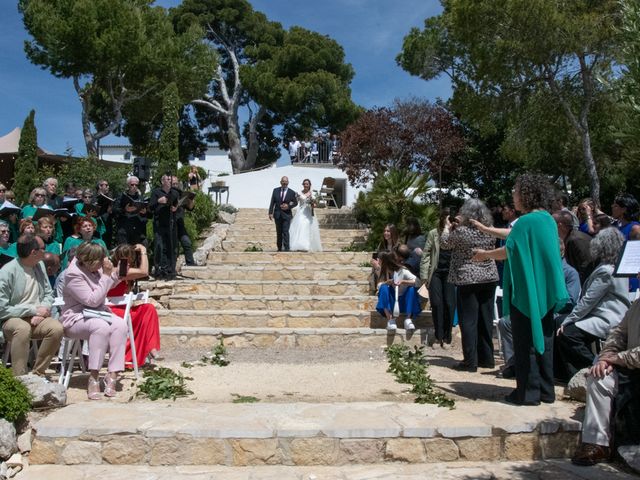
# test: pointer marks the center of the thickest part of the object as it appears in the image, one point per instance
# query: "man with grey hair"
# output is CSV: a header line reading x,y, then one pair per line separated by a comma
x,y
25,307
603,302
576,244
51,187
130,212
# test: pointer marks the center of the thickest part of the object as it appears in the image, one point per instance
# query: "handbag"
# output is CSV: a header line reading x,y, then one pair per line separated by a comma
x,y
396,307
423,291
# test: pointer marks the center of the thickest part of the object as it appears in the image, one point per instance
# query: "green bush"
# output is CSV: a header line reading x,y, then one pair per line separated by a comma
x,y
15,399
204,212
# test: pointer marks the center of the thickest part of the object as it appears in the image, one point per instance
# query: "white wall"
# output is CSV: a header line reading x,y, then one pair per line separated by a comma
x,y
253,189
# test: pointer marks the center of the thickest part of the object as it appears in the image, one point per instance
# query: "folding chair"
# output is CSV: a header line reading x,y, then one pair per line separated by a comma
x,y
127,300
496,317
326,191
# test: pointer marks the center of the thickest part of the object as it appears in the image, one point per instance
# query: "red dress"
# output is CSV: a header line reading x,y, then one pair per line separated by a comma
x,y
146,326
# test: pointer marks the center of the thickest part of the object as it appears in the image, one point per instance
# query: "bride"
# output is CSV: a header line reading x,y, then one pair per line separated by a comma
x,y
304,232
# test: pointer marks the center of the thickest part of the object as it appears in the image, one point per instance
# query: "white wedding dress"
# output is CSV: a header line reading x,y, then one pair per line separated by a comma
x,y
304,231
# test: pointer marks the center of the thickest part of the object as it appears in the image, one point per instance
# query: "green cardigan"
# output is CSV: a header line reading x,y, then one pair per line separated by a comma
x,y
533,277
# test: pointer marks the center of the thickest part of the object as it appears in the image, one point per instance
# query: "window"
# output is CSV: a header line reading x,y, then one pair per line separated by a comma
x,y
127,156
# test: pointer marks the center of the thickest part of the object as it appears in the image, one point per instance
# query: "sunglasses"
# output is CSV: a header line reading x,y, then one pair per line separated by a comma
x,y
134,184
39,195
3,189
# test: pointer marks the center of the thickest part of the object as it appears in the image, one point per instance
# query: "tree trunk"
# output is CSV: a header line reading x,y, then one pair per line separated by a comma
x,y
590,165
236,154
254,142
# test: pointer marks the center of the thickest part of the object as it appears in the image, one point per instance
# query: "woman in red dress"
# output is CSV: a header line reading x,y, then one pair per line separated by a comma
x,y
144,317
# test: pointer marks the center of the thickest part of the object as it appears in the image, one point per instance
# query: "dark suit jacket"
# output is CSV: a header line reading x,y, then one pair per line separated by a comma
x,y
291,198
577,253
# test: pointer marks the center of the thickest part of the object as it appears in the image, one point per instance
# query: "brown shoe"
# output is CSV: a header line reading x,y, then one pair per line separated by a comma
x,y
589,454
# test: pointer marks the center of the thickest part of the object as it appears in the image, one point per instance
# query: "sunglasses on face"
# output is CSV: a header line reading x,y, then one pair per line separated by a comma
x,y
39,195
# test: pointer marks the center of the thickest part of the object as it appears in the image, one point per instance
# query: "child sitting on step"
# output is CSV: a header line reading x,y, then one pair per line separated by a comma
x,y
397,292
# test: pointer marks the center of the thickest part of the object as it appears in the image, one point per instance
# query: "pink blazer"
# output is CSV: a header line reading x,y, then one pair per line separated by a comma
x,y
84,290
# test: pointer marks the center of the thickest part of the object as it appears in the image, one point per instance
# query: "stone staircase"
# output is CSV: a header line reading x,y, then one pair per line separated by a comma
x,y
290,300
266,298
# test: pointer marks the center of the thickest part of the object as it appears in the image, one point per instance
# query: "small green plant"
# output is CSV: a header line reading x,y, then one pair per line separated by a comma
x,y
15,399
411,367
364,264
254,248
218,355
186,365
223,174
164,383
244,398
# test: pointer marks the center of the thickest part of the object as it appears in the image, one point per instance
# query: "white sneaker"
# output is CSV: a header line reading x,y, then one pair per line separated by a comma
x,y
391,325
408,324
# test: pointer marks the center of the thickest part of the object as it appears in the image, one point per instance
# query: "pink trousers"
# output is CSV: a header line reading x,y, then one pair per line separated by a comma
x,y
102,336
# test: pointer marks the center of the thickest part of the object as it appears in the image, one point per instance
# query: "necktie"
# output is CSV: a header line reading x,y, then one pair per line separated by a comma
x,y
282,195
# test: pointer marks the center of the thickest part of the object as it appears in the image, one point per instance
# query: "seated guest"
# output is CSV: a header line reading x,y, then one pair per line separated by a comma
x,y
619,360
6,248
144,317
403,256
85,316
576,244
84,228
52,266
37,198
25,307
392,275
603,303
388,243
601,221
45,228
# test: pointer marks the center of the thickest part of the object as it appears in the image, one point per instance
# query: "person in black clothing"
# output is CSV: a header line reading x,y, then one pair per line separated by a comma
x,y
106,211
283,199
131,217
163,205
181,232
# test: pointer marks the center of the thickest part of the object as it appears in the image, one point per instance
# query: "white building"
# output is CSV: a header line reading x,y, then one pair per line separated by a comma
x,y
251,189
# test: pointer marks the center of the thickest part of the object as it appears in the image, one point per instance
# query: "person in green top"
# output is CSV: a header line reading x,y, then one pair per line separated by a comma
x,y
90,209
37,198
534,288
45,228
84,228
6,249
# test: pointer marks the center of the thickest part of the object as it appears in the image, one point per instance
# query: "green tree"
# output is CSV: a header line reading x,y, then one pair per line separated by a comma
x,y
120,55
296,77
499,52
26,164
169,136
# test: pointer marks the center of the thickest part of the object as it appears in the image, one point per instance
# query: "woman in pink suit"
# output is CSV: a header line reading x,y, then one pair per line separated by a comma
x,y
85,315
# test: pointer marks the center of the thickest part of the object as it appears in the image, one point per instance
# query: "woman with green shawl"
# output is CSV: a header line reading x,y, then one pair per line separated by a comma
x,y
534,289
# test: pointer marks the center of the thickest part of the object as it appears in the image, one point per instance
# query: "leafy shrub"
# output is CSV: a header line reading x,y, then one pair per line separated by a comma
x,y
164,383
218,355
226,207
394,197
204,212
15,399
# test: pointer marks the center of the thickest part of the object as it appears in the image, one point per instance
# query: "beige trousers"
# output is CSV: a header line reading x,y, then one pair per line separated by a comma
x,y
20,332
596,426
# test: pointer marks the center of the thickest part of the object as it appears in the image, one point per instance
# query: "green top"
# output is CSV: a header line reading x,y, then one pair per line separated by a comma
x,y
533,277
10,250
53,247
100,226
72,241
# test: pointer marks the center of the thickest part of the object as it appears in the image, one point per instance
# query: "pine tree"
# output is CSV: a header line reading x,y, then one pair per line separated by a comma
x,y
26,164
169,137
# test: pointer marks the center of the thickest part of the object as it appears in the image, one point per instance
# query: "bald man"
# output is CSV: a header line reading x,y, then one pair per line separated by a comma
x,y
283,200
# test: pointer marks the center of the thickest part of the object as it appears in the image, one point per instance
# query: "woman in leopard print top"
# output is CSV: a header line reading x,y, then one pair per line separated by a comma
x,y
476,284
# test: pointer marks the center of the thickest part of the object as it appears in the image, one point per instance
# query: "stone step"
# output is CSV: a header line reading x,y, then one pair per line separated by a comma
x,y
272,302
275,319
272,272
290,258
241,337
261,287
267,245
262,233
198,433
500,470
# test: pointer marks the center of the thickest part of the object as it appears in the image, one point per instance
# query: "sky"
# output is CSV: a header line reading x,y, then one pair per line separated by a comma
x,y
370,31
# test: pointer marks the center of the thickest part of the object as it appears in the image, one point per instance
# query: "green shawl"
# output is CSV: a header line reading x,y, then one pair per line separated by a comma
x,y
533,277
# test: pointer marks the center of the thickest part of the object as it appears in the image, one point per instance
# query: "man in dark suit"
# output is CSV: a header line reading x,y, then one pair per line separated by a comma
x,y
283,199
576,245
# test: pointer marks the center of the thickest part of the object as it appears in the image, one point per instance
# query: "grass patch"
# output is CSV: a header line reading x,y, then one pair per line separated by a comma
x,y
254,248
411,367
164,383
244,398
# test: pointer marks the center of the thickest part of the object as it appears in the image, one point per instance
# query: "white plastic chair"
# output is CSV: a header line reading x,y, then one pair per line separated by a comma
x,y
633,296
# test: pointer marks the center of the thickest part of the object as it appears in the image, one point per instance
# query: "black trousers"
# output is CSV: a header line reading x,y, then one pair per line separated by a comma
x,y
163,253
283,221
475,314
572,351
442,298
184,240
534,372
